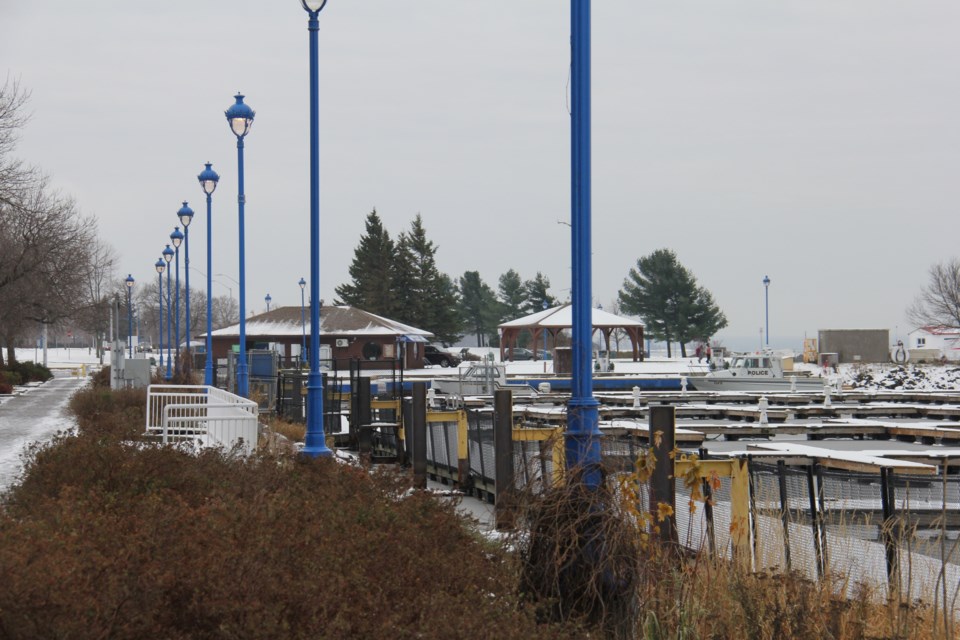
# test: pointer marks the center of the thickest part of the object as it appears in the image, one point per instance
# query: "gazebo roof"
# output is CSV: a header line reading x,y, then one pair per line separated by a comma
x,y
339,321
562,317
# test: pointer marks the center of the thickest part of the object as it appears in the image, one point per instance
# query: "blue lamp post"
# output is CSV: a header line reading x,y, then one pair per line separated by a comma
x,y
268,300
208,182
545,306
315,444
129,282
186,217
303,321
168,256
176,239
582,438
160,266
240,117
766,305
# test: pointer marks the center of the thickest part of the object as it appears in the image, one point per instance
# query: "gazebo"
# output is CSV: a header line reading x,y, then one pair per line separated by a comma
x,y
554,320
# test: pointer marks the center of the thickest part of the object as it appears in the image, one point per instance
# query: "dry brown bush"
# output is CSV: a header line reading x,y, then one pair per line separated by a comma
x,y
106,538
104,413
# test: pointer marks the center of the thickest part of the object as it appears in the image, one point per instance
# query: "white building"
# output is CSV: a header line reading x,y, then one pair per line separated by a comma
x,y
945,340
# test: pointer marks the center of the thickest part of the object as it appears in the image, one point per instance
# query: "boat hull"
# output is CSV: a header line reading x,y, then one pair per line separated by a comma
x,y
736,383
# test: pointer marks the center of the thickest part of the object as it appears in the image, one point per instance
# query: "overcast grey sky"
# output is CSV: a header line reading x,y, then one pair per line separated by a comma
x,y
813,141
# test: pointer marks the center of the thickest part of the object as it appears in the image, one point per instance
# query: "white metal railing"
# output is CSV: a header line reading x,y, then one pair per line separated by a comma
x,y
206,415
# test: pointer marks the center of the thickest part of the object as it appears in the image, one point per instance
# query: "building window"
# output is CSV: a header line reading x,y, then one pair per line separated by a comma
x,y
921,342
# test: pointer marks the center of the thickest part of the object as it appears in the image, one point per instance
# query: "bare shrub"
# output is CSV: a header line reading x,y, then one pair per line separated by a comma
x,y
103,538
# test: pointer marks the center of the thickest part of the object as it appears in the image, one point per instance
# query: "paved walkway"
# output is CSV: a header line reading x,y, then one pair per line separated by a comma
x,y
35,415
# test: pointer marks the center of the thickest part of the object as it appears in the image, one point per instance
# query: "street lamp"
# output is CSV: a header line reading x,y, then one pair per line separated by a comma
x,y
766,291
176,239
186,217
168,256
315,444
545,306
129,282
208,182
267,299
240,117
160,266
303,321
582,438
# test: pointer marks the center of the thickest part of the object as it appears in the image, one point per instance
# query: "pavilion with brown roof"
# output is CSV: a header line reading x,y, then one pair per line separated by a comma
x,y
350,333
557,319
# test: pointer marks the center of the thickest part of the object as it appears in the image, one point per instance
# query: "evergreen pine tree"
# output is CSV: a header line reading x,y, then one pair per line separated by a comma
x,y
407,299
512,295
372,271
666,296
479,307
432,301
536,293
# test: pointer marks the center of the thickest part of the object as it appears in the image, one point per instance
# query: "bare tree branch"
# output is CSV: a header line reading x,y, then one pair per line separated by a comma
x,y
938,304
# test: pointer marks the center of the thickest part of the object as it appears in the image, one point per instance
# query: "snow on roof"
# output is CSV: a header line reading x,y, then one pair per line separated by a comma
x,y
938,331
562,316
340,321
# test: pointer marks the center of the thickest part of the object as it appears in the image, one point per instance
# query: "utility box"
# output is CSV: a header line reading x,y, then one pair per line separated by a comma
x,y
563,361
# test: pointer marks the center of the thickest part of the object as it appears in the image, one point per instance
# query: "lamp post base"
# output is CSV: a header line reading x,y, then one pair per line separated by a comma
x,y
315,439
582,441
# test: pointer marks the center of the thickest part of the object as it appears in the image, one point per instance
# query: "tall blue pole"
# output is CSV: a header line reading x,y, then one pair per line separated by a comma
x,y
545,306
766,306
242,385
208,367
186,301
208,179
159,266
315,441
303,322
176,317
582,438
169,336
240,117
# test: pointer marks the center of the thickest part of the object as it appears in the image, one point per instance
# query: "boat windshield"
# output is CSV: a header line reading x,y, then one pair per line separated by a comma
x,y
751,363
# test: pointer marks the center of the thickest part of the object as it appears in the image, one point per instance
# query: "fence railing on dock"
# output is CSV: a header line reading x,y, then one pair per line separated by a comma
x,y
204,415
872,518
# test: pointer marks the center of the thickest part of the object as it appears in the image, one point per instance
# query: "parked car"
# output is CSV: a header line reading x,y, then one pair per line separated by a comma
x,y
436,355
544,355
519,353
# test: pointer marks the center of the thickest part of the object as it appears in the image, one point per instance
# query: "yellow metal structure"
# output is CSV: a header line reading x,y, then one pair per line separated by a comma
x,y
735,469
552,435
460,417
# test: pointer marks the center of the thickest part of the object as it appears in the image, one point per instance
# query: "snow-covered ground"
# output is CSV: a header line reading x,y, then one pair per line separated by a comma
x,y
63,357
905,378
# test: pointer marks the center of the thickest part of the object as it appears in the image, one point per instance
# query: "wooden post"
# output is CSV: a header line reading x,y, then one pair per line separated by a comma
x,y
887,530
503,458
419,435
707,507
663,430
815,521
361,410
